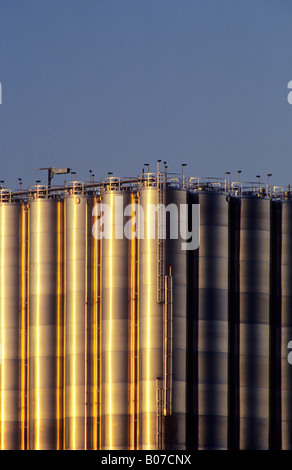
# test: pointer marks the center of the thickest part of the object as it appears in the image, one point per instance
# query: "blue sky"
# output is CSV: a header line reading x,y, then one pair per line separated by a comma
x,y
108,85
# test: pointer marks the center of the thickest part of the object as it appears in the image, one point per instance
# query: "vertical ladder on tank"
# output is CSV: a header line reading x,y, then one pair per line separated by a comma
x,y
167,345
159,414
164,385
161,231
98,321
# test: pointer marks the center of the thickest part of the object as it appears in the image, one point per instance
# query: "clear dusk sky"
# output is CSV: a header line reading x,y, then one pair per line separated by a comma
x,y
107,85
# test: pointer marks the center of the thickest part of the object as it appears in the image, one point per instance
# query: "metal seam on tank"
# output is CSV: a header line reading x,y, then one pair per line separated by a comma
x,y
85,330
58,326
98,341
131,352
133,335
37,403
27,328
100,372
64,331
23,325
95,378
148,328
110,334
138,320
59,323
74,332
94,342
2,326
131,345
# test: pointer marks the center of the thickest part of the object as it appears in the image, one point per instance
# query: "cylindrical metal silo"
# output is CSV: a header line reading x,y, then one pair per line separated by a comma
x,y
213,322
275,326
192,342
175,318
12,326
254,322
45,324
116,323
94,320
77,306
286,372
162,318
117,343
150,326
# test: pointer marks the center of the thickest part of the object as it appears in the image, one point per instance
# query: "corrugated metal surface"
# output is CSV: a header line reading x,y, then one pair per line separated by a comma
x,y
12,418
77,306
125,343
94,343
176,301
254,322
150,328
45,319
116,325
213,322
286,385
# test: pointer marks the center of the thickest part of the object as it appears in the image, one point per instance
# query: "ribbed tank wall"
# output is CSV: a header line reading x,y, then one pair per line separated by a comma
x,y
254,323
78,212
213,322
45,320
150,328
286,389
120,344
93,350
176,260
115,326
12,326
192,342
275,325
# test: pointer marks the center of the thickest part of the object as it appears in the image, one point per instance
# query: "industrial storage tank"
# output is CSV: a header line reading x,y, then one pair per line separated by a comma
x,y
45,323
150,327
175,319
116,381
78,235
255,233
162,310
192,342
213,322
132,341
286,330
13,262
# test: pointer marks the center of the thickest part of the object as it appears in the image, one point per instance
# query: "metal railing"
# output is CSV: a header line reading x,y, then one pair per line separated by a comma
x,y
150,180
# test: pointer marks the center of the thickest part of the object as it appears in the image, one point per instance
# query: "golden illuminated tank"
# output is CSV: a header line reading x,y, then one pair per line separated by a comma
x,y
134,342
77,312
45,323
13,311
116,325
